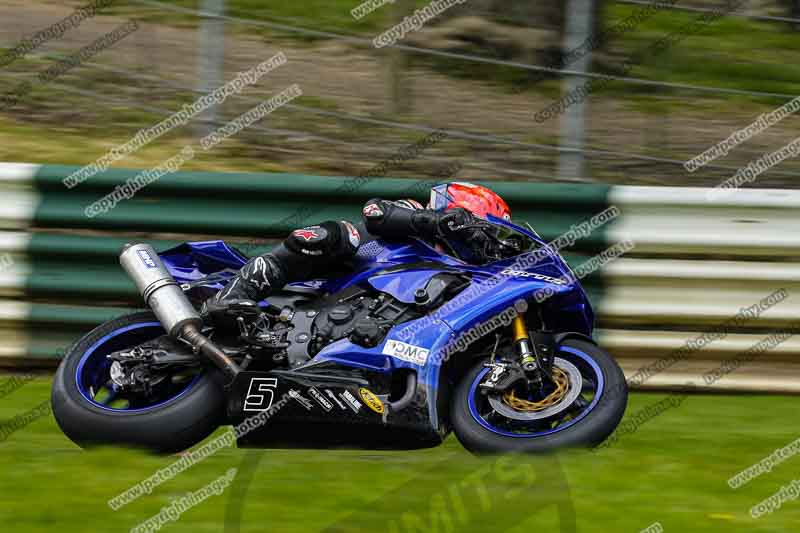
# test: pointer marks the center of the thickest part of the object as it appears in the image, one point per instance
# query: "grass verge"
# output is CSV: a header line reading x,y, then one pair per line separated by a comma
x,y
673,470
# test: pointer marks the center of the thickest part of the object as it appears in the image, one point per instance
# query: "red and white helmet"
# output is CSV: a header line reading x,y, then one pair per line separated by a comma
x,y
476,199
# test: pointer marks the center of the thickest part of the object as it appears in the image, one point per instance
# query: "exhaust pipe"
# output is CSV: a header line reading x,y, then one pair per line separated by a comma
x,y
172,308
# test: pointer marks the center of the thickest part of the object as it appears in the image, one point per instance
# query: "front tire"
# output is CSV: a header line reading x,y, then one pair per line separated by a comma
x,y
185,417
588,426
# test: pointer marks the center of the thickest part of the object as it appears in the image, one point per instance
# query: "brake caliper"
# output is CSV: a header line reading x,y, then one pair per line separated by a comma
x,y
503,376
129,369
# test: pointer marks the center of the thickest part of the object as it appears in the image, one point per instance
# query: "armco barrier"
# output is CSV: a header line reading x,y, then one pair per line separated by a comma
x,y
695,264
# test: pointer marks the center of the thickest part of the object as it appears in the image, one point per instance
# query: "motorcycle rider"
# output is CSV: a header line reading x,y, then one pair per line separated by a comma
x,y
451,216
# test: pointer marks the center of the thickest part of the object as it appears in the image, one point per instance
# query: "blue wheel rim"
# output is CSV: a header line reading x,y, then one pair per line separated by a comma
x,y
93,366
473,390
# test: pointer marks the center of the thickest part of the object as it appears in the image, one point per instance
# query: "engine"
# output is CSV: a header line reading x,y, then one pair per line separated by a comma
x,y
362,317
365,316
298,324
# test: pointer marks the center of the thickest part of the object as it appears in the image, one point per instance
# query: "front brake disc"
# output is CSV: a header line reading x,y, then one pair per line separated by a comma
x,y
575,386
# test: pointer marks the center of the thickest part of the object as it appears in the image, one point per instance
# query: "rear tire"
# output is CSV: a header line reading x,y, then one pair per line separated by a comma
x,y
589,431
174,426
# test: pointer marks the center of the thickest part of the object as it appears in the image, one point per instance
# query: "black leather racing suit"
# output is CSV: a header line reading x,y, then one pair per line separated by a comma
x,y
316,250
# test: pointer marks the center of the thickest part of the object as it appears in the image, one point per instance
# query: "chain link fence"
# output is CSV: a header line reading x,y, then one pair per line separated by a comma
x,y
479,70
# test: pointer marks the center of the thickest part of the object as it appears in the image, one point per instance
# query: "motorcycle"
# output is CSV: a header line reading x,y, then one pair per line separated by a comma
x,y
406,346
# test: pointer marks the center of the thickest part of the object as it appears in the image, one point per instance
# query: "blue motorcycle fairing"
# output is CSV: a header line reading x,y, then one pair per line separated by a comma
x,y
569,307
415,254
479,302
402,285
192,261
435,335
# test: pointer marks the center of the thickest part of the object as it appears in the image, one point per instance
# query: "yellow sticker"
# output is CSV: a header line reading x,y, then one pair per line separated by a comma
x,y
370,400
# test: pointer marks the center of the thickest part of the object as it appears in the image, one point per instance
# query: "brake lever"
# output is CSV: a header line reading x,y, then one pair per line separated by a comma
x,y
456,229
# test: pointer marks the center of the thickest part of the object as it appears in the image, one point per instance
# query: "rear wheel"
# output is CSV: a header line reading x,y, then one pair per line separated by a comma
x,y
581,409
183,407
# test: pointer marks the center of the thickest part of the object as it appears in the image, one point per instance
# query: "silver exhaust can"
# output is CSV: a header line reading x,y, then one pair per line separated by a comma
x,y
159,289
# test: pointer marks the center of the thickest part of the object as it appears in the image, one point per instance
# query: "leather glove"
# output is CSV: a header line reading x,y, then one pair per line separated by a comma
x,y
453,221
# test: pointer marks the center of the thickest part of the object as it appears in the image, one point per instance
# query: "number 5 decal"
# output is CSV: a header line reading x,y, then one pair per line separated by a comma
x,y
260,394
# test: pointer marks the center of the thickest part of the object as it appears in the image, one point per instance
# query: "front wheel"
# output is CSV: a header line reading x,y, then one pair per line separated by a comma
x,y
182,407
584,406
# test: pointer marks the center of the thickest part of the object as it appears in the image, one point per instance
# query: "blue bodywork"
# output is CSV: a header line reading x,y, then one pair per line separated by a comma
x,y
568,310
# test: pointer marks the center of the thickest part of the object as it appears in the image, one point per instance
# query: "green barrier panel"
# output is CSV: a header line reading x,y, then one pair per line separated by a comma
x,y
285,186
249,216
74,316
86,248
82,272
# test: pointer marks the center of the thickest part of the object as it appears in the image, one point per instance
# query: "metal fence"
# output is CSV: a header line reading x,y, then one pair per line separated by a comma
x,y
361,102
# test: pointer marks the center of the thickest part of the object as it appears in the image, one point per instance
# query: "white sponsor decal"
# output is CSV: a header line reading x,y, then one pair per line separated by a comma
x,y
406,352
320,399
299,398
144,255
260,394
540,277
351,401
335,399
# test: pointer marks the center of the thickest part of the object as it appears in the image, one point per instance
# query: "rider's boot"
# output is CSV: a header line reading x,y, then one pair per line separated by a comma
x,y
256,280
305,250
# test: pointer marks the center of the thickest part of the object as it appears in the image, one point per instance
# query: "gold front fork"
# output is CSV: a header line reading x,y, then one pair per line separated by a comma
x,y
523,343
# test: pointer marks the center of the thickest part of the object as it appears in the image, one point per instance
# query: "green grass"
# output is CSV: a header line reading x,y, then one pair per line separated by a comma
x,y
716,56
673,470
323,15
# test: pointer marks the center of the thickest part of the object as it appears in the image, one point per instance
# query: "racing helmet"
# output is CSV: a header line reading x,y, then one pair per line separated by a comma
x,y
480,201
